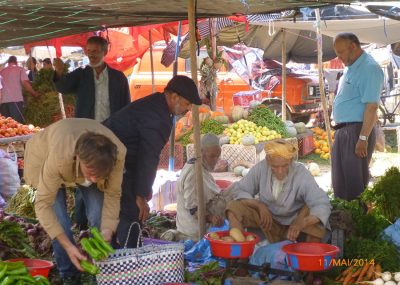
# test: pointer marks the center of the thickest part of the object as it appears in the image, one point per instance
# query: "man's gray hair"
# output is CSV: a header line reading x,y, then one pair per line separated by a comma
x,y
209,140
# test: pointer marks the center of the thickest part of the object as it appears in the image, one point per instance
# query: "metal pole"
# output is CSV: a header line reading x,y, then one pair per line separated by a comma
x,y
196,124
171,161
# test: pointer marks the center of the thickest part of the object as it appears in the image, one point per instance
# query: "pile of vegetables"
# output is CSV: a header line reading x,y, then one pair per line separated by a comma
x,y
262,116
384,195
363,273
365,241
207,274
158,223
235,235
209,126
248,133
97,248
16,273
21,203
41,111
13,239
321,142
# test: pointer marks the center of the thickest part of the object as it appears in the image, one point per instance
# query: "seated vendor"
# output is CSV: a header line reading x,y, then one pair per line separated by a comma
x,y
186,216
289,202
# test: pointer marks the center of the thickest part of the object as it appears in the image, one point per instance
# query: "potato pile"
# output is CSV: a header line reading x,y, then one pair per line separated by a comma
x,y
235,235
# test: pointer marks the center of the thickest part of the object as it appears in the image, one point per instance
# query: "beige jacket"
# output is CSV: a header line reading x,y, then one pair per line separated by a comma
x,y
50,162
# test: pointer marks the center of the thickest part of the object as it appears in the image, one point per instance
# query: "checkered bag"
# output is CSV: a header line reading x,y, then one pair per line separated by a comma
x,y
148,265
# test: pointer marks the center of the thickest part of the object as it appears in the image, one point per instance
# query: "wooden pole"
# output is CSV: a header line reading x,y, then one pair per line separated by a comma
x,y
196,124
213,29
321,80
61,102
283,31
153,87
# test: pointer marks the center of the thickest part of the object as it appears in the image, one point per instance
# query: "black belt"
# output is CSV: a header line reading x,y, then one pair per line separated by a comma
x,y
341,125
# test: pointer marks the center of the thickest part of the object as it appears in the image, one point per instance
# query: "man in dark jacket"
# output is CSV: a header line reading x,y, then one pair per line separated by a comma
x,y
144,127
100,90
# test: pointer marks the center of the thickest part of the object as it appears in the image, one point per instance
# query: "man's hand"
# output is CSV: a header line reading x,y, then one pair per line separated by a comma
x,y
144,208
107,234
265,216
293,232
215,220
361,149
75,256
58,66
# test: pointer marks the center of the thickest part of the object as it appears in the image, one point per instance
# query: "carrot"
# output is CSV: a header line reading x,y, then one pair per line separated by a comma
x,y
363,272
357,273
348,278
346,271
370,272
378,271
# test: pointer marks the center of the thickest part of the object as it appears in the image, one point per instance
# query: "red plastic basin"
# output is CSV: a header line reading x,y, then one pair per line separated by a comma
x,y
310,256
36,266
226,249
223,184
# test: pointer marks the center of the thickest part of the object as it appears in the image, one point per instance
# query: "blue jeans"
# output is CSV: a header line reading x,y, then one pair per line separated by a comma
x,y
93,199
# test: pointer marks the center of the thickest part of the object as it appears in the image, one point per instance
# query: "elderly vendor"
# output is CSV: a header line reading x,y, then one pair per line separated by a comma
x,y
289,205
186,217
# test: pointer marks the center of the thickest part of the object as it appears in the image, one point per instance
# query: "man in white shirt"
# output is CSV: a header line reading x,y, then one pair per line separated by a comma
x,y
186,218
289,203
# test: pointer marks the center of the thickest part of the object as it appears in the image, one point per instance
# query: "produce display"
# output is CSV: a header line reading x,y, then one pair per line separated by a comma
x,y
235,235
384,194
262,116
14,240
45,109
248,133
16,273
321,142
11,128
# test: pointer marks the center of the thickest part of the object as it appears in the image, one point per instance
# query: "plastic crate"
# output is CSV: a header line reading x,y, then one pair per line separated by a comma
x,y
244,98
305,143
178,155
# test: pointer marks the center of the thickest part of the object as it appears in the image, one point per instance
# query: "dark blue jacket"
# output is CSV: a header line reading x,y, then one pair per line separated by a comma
x,y
81,82
144,127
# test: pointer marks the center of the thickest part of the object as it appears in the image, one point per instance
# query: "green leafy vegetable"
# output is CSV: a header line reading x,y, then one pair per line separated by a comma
x,y
264,117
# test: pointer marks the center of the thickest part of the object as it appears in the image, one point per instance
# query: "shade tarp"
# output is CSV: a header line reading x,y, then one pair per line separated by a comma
x,y
24,21
381,31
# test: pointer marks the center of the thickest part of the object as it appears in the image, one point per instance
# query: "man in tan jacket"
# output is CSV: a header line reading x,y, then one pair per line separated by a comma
x,y
81,152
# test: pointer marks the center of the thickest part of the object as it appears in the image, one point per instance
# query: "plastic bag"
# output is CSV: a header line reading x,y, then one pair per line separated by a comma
x,y
274,255
9,178
392,234
380,138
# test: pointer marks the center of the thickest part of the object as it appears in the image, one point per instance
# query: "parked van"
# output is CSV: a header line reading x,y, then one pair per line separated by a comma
x,y
302,92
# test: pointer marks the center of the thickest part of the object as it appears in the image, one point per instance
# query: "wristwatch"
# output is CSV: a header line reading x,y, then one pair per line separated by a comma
x,y
363,138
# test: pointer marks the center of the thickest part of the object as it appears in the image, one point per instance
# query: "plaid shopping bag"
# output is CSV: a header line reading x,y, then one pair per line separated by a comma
x,y
148,265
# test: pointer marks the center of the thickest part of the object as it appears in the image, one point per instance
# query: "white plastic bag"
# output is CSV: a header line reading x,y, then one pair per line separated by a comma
x,y
9,178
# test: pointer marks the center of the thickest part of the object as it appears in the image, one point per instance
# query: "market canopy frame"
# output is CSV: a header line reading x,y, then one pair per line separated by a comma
x,y
24,21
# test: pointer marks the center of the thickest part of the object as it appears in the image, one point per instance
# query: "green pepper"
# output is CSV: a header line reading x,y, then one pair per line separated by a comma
x,y
96,244
88,247
18,271
24,278
97,235
7,281
3,272
89,267
41,280
12,265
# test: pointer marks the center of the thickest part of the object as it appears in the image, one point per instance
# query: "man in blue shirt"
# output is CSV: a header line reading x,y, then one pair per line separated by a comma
x,y
355,115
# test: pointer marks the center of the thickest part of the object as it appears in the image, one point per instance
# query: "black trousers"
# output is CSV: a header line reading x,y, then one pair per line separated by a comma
x,y
350,174
127,233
